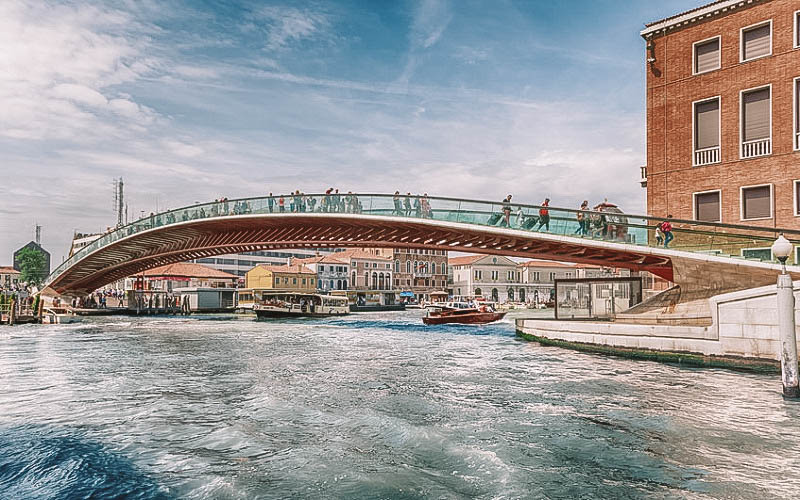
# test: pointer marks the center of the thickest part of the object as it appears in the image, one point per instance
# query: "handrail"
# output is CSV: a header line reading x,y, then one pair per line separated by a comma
x,y
488,208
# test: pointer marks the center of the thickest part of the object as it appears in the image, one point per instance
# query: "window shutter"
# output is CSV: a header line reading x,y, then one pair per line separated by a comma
x,y
756,202
707,207
756,42
707,124
756,115
707,56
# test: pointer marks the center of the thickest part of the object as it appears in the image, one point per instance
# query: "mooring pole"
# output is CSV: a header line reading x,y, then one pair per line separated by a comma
x,y
786,325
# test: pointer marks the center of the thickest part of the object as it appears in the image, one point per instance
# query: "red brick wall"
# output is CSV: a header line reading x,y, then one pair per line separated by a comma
x,y
671,89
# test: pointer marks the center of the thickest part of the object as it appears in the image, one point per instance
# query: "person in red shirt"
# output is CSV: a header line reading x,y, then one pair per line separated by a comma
x,y
281,204
544,215
666,229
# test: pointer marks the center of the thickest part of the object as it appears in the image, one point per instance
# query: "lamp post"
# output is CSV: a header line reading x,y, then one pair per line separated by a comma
x,y
781,249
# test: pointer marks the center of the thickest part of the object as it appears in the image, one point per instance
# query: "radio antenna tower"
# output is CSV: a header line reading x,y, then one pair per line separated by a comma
x,y
119,202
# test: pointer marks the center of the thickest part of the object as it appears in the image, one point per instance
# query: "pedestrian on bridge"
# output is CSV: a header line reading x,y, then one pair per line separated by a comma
x,y
270,202
544,215
506,212
281,204
583,223
407,204
398,205
666,228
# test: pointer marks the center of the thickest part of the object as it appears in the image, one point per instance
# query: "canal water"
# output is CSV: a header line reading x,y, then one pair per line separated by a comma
x,y
373,406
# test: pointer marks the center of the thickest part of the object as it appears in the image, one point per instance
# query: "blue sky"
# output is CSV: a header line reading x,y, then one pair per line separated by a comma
x,y
190,101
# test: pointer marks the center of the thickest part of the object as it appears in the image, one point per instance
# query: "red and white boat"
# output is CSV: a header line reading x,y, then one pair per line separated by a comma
x,y
463,313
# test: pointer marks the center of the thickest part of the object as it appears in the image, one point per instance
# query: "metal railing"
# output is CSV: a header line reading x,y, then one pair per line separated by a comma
x,y
706,156
758,147
690,235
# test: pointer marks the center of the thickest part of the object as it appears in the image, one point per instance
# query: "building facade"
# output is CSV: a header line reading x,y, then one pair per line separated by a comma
x,y
333,273
181,275
491,277
240,263
368,271
723,131
420,271
9,278
294,277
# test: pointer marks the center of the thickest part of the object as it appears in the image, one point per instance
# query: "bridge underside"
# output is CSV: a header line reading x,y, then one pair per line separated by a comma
x,y
210,237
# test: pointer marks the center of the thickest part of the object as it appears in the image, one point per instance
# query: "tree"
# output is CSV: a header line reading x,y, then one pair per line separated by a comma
x,y
31,266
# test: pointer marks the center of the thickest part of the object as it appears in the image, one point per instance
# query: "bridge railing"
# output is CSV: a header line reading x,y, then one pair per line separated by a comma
x,y
736,241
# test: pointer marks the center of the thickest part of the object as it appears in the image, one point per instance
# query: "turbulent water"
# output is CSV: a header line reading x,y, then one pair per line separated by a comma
x,y
373,406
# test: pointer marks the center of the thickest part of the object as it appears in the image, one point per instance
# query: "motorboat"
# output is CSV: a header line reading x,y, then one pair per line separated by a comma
x,y
298,305
463,313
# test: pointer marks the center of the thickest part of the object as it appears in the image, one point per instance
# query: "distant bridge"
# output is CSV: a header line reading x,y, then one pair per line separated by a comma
x,y
707,255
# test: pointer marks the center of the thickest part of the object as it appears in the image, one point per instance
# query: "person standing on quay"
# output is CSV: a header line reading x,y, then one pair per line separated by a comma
x,y
544,215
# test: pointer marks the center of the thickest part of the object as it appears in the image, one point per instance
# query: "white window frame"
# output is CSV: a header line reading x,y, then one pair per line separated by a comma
x,y
741,40
771,202
694,203
694,55
718,98
795,43
741,120
795,210
795,141
771,256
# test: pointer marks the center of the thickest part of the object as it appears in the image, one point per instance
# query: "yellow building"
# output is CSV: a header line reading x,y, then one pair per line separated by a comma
x,y
295,277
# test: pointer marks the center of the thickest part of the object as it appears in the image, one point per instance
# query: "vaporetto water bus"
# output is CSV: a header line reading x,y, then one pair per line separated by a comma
x,y
293,304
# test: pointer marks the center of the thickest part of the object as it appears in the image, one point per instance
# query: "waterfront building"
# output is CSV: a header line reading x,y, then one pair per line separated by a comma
x,y
422,272
183,274
723,127
333,273
285,277
240,263
9,277
368,271
491,277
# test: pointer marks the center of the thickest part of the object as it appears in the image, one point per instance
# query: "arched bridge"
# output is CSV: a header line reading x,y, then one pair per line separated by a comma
x,y
703,254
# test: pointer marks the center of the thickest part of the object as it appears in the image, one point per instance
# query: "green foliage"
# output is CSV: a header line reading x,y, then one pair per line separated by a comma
x,y
36,300
31,265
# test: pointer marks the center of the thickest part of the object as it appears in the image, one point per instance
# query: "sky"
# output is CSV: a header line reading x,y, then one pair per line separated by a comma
x,y
189,101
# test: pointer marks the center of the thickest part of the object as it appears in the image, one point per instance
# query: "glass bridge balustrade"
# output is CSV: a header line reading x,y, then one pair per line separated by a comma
x,y
710,238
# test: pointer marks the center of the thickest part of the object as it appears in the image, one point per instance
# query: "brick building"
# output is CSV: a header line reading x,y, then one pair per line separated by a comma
x,y
723,140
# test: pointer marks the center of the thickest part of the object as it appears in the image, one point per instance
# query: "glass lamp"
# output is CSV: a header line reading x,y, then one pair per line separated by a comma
x,y
782,249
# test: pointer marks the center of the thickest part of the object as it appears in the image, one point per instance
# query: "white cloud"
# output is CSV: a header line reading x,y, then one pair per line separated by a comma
x,y
287,25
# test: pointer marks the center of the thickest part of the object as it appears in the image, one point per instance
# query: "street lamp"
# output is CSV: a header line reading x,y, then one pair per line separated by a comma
x,y
781,249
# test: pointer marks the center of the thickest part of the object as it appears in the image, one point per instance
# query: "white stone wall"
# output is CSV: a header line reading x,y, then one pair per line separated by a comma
x,y
744,323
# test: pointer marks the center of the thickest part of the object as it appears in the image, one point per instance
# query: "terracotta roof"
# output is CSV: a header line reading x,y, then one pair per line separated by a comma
x,y
465,260
8,270
294,268
321,258
188,270
545,263
359,254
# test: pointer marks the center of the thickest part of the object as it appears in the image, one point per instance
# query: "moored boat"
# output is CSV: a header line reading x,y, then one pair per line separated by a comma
x,y
299,305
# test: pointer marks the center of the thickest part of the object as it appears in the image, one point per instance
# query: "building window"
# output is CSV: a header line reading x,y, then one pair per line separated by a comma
x,y
756,41
706,138
408,266
706,55
495,275
756,122
552,276
321,268
708,206
757,202
796,32
294,281
536,276
797,197
757,253
796,113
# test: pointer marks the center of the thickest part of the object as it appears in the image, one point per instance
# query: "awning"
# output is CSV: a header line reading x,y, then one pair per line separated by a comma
x,y
406,294
438,293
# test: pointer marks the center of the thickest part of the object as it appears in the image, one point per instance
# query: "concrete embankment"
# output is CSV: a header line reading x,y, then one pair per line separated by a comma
x,y
742,334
